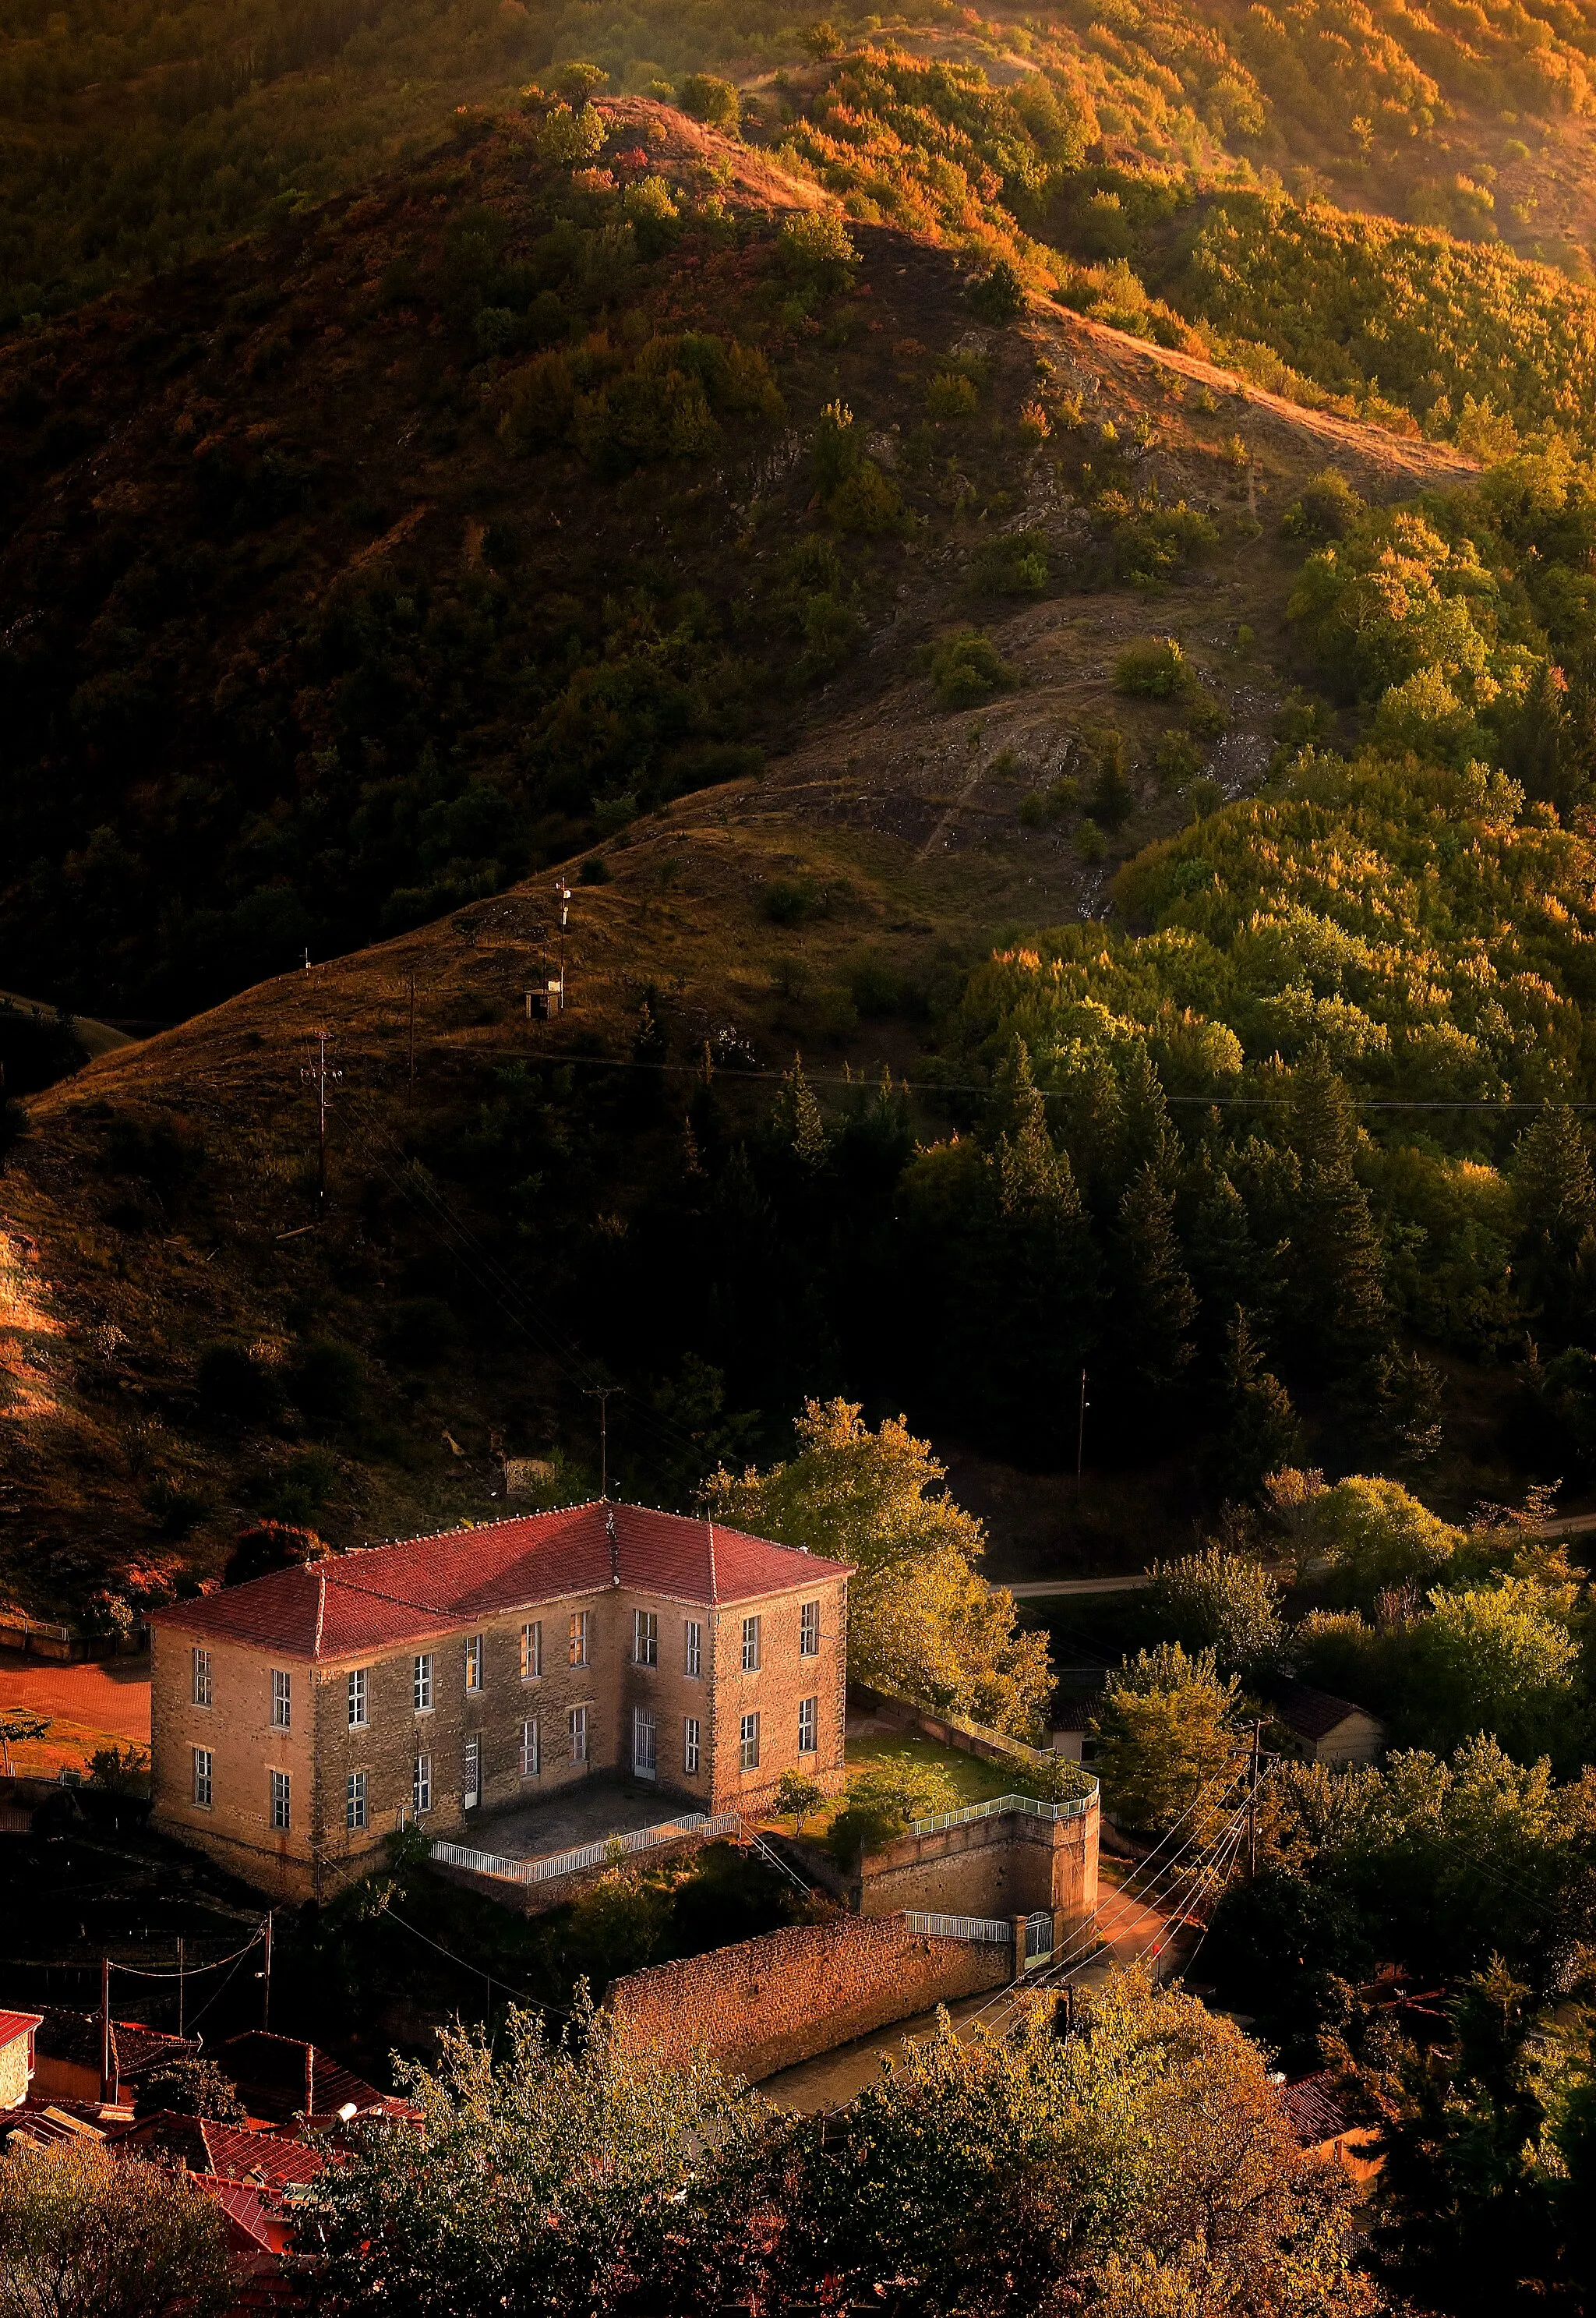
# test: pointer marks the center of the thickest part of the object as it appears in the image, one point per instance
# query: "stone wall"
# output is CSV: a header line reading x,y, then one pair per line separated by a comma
x,y
1010,1864
769,2003
550,1892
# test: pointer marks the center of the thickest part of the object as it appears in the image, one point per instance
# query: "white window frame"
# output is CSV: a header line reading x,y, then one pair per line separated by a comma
x,y
750,1644
360,1699
471,1777
473,1662
645,1638
580,1639
282,1792
576,1723
281,1699
421,1785
690,1745
422,1682
808,1726
532,1749
748,1744
204,1769
354,1802
201,1685
532,1651
692,1648
808,1630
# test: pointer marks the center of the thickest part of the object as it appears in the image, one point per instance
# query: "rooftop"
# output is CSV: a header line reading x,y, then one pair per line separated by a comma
x,y
379,1594
1314,1713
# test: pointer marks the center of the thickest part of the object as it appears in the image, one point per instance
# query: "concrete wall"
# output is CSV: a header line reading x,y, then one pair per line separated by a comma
x,y
555,1891
13,2070
769,2003
1011,1863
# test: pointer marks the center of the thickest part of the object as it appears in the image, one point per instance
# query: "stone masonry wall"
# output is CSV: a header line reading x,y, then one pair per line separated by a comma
x,y
769,2003
1012,1864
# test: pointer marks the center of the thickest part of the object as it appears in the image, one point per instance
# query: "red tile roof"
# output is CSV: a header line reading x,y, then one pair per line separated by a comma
x,y
1316,2111
14,2025
269,2160
135,2049
360,1601
283,2077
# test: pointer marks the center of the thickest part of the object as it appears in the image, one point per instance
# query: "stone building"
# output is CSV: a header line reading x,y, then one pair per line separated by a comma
x,y
298,1720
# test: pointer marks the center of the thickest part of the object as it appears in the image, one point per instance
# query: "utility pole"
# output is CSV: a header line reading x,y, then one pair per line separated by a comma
x,y
1252,1802
410,1090
106,2085
563,890
319,1076
1080,1434
180,1983
266,1976
601,1394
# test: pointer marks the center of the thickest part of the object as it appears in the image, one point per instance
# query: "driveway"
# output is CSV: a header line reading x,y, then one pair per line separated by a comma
x,y
109,1695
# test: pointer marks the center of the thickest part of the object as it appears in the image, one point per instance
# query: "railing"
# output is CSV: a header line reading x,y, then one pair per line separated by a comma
x,y
1076,1807
586,1855
992,1929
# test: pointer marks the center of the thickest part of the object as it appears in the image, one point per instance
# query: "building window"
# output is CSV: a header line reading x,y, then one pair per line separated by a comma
x,y
808,1726
577,1721
281,1714
750,1645
421,1785
280,1803
473,1662
532,1651
578,1638
690,1743
748,1746
645,1638
532,1750
808,1630
203,1778
354,1800
424,1682
473,1774
359,1694
693,1656
645,1743
202,1687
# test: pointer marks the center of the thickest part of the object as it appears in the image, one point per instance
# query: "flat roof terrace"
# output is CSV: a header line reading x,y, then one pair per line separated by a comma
x,y
600,1807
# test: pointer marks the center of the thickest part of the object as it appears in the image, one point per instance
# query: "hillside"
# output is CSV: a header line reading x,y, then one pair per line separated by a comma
x,y
162,1206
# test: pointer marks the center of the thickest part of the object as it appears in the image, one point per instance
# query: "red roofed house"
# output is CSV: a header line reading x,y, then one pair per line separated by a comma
x,y
297,1720
17,2032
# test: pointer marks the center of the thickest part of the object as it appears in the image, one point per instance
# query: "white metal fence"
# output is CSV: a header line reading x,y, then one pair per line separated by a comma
x,y
586,1855
1076,1807
990,1929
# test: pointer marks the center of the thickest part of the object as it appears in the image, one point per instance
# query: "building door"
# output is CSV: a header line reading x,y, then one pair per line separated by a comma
x,y
645,1743
473,1773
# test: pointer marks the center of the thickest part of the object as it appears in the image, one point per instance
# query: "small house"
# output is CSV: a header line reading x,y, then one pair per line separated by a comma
x,y
1325,1729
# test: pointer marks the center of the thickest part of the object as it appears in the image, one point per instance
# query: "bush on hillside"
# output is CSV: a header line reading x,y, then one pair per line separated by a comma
x,y
968,667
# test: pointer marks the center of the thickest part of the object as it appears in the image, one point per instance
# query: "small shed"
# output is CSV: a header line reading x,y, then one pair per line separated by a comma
x,y
1325,1729
1071,1730
1322,2128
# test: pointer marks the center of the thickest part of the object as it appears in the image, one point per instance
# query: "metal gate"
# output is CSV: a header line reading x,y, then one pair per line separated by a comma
x,y
1038,1937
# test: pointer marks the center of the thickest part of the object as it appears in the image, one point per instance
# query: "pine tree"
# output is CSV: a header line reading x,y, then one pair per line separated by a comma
x,y
1337,1259
1148,1140
1257,1430
1157,1304
1554,1182
1017,1102
800,1121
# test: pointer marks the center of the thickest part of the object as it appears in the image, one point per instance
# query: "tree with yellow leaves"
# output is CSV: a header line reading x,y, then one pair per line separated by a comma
x,y
921,1618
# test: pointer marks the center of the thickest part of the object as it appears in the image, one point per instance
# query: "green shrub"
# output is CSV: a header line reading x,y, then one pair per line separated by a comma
x,y
1088,840
1150,542
1204,716
836,452
883,1800
1155,669
567,136
709,99
1111,796
788,901
594,871
234,1384
1327,509
951,395
328,1382
1043,806
816,247
541,400
832,630
867,502
967,668
1176,758
1013,565
998,295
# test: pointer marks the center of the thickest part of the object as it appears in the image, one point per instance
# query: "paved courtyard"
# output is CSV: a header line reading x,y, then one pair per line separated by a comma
x,y
589,1813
